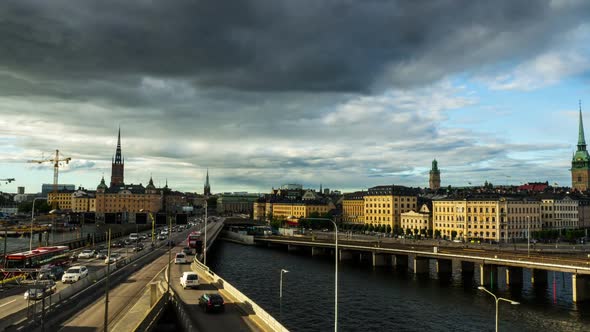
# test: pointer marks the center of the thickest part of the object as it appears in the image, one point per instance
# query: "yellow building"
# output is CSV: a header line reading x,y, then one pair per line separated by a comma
x,y
486,218
127,198
259,210
384,205
421,220
299,209
62,199
353,207
83,201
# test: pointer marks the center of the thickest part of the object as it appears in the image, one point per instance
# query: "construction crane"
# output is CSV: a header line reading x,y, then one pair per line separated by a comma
x,y
56,163
7,180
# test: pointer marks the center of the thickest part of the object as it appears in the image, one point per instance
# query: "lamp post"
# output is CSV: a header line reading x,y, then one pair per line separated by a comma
x,y
335,269
498,299
205,249
528,236
281,283
32,218
106,292
153,224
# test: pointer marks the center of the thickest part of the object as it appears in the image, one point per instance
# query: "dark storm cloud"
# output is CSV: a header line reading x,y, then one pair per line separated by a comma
x,y
280,45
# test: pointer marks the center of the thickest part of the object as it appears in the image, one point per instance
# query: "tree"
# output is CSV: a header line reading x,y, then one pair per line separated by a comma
x,y
453,234
388,229
416,231
408,231
429,232
437,234
40,207
397,230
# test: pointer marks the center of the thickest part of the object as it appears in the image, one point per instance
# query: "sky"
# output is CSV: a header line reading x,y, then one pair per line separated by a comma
x,y
348,94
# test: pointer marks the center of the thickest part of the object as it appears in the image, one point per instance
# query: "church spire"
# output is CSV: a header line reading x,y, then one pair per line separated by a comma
x,y
207,189
581,138
118,153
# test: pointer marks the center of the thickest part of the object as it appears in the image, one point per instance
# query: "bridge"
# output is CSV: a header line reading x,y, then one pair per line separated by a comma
x,y
141,286
388,253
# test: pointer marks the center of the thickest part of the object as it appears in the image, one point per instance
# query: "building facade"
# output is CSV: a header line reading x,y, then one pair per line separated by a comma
x,y
486,218
384,205
353,207
420,221
232,203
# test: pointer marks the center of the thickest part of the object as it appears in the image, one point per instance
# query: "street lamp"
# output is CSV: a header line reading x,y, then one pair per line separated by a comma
x,y
498,299
528,236
335,269
32,218
281,283
205,250
153,224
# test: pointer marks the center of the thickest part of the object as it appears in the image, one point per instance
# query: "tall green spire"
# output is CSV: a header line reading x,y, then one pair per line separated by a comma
x,y
581,138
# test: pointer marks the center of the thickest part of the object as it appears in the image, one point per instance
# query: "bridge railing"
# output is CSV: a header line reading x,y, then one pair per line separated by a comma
x,y
243,300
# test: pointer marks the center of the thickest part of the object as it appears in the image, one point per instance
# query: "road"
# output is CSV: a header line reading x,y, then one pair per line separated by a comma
x,y
233,319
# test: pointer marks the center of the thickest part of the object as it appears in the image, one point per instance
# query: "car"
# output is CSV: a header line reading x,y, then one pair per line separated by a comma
x,y
189,279
211,302
74,274
118,244
113,258
40,290
164,232
170,243
162,237
180,258
187,251
143,236
51,273
87,254
102,254
138,247
133,237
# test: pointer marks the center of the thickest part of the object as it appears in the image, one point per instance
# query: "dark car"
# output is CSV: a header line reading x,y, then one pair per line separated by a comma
x,y
170,243
138,247
51,273
211,302
118,244
187,251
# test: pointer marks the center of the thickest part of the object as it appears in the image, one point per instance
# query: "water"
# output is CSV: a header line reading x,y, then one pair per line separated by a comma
x,y
387,300
16,243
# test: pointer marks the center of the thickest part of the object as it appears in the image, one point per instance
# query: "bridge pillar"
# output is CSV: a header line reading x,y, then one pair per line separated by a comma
x,y
513,276
344,255
580,287
467,267
538,277
444,266
291,247
317,251
421,265
379,259
488,275
400,261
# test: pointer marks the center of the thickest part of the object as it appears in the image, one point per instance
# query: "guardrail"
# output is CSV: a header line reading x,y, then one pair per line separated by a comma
x,y
59,300
270,321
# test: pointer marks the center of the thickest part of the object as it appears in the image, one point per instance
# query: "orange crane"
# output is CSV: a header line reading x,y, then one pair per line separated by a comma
x,y
56,163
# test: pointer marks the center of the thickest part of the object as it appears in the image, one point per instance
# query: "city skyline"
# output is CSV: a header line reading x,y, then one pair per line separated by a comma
x,y
491,94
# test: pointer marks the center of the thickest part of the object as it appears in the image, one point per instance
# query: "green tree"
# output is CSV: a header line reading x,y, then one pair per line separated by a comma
x,y
429,232
453,234
397,230
408,231
437,234
388,229
41,206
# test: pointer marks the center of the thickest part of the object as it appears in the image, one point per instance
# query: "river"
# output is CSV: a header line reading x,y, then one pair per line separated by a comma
x,y
384,299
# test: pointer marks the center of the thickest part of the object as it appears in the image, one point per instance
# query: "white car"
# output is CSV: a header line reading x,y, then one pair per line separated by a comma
x,y
87,254
133,237
189,279
74,274
113,258
180,258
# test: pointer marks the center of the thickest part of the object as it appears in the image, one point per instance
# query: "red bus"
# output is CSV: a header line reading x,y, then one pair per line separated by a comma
x,y
195,241
36,258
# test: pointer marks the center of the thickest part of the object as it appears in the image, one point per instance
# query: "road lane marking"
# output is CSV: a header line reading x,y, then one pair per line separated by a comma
x,y
7,303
